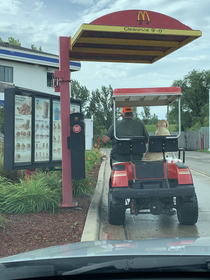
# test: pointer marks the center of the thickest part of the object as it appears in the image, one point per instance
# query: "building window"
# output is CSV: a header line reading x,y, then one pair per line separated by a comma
x,y
6,74
50,79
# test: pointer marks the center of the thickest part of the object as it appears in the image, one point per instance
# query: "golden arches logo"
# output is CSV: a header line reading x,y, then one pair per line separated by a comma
x,y
143,16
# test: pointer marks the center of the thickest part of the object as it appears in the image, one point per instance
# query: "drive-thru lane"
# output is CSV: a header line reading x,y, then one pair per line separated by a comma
x,y
150,226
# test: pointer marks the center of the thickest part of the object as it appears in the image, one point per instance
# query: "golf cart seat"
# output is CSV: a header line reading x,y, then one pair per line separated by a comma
x,y
169,143
133,145
163,144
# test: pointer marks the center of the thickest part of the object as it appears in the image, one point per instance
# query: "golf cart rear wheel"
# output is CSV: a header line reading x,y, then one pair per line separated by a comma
x,y
187,212
116,212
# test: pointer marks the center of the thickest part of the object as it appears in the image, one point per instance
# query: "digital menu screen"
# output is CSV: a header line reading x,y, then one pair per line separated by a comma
x,y
56,139
42,129
23,119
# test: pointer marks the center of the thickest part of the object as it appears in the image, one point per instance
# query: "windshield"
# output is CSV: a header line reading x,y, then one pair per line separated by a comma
x,y
86,154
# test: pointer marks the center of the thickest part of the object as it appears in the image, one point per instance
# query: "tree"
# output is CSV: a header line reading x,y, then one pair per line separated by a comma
x,y
100,109
195,96
154,119
100,106
13,41
146,115
135,114
33,47
80,92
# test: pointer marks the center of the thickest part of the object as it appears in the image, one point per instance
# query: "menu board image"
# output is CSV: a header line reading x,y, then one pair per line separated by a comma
x,y
42,129
56,139
74,108
23,118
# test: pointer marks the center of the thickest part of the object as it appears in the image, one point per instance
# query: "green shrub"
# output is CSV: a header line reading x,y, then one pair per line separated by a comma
x,y
52,179
44,190
35,195
82,187
92,158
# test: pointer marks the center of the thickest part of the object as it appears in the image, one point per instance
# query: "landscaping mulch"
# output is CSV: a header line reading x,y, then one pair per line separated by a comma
x,y
26,232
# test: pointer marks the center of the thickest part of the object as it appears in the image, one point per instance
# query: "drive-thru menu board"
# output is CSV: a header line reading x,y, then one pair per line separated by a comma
x,y
32,129
23,118
42,129
56,140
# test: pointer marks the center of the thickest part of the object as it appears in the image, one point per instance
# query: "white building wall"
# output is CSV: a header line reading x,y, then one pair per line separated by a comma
x,y
88,134
30,76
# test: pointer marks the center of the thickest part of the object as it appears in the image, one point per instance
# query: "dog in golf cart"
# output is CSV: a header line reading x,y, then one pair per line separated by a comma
x,y
150,187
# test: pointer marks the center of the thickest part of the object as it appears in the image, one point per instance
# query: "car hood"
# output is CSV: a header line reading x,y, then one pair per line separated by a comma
x,y
164,246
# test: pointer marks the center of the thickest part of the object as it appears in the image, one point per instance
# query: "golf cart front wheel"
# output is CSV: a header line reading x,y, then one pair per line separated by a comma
x,y
187,212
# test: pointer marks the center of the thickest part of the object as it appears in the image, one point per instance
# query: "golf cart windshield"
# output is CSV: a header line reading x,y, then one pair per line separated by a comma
x,y
140,97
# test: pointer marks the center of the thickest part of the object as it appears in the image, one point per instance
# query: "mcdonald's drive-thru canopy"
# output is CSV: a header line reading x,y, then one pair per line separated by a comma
x,y
131,36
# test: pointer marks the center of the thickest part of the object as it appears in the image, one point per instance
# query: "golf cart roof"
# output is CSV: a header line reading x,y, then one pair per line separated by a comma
x,y
145,96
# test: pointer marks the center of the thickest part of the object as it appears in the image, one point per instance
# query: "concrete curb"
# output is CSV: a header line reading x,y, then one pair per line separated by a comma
x,y
92,224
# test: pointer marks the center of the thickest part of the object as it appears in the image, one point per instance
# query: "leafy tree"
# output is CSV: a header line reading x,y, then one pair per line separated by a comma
x,y
146,115
80,92
195,96
100,109
100,106
135,114
154,119
13,41
33,47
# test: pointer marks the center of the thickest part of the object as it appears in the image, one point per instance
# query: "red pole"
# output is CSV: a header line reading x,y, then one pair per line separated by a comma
x,y
98,143
64,75
201,144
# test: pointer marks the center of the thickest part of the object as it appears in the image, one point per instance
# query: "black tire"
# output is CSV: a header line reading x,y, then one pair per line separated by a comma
x,y
187,212
116,210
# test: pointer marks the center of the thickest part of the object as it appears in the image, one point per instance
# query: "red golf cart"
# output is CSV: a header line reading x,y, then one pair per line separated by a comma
x,y
156,187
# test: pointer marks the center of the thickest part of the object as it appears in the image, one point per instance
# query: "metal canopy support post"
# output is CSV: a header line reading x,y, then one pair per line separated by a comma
x,y
64,77
168,112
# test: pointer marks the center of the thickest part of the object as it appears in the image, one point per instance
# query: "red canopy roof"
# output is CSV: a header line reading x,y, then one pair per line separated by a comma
x,y
145,96
135,36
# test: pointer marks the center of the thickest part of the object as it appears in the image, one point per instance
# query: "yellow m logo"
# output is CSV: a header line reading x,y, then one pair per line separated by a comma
x,y
142,16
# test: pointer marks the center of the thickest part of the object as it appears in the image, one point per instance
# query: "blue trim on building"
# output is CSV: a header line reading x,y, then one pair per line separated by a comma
x,y
36,57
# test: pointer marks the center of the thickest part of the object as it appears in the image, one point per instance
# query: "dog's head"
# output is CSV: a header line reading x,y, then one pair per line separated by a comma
x,y
162,123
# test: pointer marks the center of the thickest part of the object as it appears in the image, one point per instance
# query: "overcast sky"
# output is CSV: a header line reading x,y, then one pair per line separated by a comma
x,y
42,22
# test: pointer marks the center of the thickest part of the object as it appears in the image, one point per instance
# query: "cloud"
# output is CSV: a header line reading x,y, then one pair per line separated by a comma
x,y
10,7
83,2
38,6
